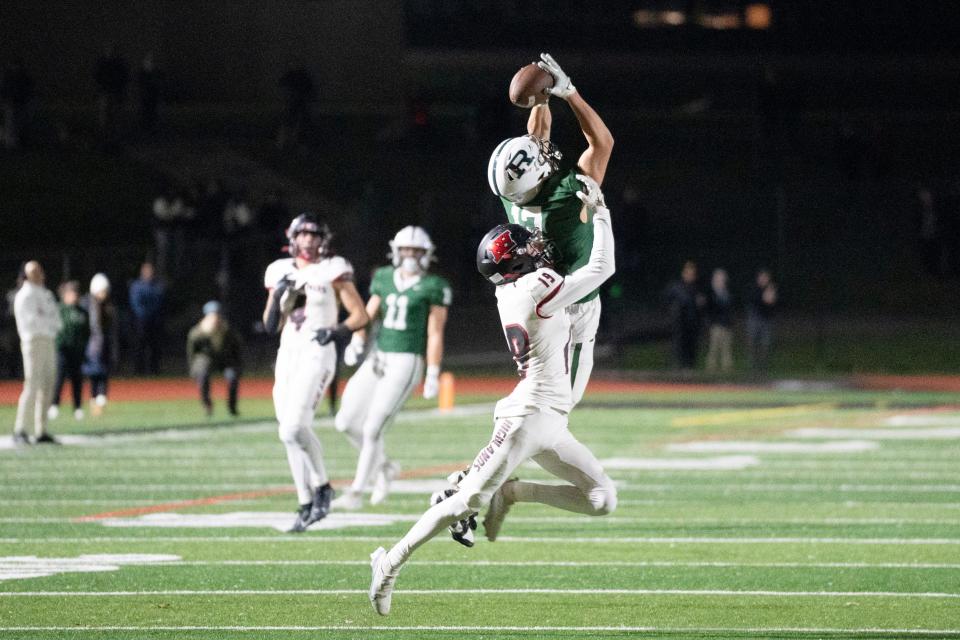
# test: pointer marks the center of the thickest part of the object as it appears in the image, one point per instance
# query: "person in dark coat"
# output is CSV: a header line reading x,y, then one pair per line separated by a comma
x,y
101,354
212,346
719,314
685,303
71,345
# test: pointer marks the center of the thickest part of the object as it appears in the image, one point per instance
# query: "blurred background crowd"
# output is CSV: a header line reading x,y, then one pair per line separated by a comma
x,y
784,184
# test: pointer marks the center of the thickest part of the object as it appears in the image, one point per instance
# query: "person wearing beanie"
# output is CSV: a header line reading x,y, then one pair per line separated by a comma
x,y
101,354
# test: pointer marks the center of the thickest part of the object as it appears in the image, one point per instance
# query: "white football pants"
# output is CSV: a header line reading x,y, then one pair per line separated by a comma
x,y
373,396
542,437
584,322
302,374
39,377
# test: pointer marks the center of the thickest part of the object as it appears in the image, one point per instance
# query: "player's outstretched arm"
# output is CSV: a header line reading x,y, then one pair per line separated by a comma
x,y
540,121
601,265
594,160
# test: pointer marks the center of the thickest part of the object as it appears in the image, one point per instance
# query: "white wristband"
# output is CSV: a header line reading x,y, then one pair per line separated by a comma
x,y
433,370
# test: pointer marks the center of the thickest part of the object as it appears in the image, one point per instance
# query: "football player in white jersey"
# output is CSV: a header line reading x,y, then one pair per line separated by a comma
x,y
411,304
530,423
302,303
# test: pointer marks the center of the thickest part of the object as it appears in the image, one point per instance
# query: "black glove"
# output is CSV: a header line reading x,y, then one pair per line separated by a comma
x,y
272,325
341,333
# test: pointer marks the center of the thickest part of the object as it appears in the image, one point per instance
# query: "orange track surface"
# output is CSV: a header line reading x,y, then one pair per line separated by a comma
x,y
184,388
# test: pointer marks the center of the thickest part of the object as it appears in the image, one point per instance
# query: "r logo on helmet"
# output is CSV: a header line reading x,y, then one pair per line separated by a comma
x,y
518,165
501,246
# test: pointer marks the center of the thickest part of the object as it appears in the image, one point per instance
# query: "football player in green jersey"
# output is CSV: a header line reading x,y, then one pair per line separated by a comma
x,y
524,172
411,304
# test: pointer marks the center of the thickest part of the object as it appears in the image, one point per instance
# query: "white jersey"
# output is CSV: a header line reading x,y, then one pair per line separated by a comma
x,y
537,327
315,282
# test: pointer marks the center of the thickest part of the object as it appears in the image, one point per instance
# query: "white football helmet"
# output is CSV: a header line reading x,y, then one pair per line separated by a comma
x,y
519,166
415,237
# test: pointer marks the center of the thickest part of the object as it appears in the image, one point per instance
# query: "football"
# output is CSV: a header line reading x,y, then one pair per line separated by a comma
x,y
528,84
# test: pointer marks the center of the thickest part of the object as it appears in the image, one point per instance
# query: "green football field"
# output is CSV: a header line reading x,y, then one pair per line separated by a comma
x,y
758,514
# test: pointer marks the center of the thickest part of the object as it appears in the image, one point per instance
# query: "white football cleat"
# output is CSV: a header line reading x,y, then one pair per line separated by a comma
x,y
349,500
381,584
53,412
496,512
381,489
78,414
100,400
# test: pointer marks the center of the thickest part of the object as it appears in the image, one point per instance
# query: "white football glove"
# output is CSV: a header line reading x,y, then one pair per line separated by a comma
x,y
431,384
353,351
562,85
591,195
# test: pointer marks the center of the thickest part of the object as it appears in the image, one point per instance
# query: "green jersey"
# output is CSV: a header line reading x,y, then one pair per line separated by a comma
x,y
558,212
403,312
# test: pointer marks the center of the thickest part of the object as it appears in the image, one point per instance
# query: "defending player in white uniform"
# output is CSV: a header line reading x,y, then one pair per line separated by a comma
x,y
303,292
412,304
530,423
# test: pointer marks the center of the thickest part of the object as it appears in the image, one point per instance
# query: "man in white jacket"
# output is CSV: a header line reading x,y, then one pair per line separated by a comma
x,y
38,321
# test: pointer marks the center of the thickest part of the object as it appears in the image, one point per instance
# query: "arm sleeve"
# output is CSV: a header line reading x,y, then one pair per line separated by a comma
x,y
591,275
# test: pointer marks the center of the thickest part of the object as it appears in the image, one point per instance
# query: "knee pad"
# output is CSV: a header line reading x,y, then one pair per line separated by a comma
x,y
603,498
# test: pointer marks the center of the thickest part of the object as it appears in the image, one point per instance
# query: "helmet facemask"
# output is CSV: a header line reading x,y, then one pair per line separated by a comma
x,y
412,237
306,223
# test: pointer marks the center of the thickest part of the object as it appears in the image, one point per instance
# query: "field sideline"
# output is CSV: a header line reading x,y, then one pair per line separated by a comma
x,y
744,512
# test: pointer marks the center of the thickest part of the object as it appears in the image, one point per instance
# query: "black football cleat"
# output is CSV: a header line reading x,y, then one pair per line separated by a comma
x,y
46,438
300,523
321,504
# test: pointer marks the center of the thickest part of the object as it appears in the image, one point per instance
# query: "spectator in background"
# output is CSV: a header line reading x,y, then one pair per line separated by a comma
x,y
149,88
212,345
147,295
16,91
760,307
719,314
299,92
71,345
685,303
38,321
112,76
102,347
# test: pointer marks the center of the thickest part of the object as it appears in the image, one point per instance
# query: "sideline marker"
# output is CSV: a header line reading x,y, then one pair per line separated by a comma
x,y
445,398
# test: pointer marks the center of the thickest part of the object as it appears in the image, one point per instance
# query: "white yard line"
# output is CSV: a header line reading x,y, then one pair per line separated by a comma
x,y
428,592
572,564
488,628
322,539
575,519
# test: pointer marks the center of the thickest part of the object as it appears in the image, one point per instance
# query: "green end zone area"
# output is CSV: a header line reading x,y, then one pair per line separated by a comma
x,y
745,513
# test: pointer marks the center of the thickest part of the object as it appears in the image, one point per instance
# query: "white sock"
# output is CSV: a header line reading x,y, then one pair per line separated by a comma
x,y
433,521
566,496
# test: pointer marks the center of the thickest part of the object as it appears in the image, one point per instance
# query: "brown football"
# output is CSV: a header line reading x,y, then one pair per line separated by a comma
x,y
528,84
